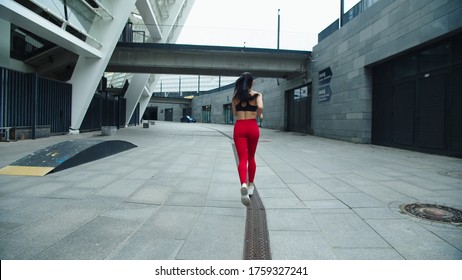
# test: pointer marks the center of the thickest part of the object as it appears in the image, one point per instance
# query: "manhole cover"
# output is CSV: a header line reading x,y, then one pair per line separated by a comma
x,y
433,212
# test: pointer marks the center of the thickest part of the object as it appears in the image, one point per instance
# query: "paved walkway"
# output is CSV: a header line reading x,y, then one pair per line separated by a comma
x,y
176,196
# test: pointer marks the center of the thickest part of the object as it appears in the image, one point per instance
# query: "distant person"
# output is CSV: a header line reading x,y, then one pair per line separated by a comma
x,y
246,105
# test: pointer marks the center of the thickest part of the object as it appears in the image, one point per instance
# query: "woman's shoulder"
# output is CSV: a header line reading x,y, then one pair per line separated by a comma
x,y
256,93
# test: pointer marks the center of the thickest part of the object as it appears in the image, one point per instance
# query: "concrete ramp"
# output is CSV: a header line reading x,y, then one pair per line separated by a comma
x,y
65,155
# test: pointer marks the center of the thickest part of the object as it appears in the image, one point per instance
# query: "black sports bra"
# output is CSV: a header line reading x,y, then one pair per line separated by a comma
x,y
248,107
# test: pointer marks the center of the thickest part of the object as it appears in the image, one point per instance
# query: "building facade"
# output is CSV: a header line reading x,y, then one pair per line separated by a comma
x,y
390,76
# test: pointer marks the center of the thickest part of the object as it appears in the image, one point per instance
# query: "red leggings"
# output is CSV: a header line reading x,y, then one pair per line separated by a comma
x,y
246,134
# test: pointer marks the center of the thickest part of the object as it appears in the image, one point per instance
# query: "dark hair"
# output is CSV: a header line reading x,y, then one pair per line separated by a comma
x,y
243,86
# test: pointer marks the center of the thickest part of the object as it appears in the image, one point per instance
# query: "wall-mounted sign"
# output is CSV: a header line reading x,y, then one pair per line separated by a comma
x,y
324,85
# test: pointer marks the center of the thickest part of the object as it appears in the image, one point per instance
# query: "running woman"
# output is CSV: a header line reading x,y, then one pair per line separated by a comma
x,y
246,105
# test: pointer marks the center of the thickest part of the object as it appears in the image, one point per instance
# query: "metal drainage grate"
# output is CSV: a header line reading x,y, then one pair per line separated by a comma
x,y
433,212
256,245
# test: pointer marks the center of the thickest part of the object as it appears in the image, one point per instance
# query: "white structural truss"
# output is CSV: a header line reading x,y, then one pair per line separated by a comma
x,y
95,27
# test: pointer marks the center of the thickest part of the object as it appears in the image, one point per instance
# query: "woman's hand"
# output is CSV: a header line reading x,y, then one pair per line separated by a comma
x,y
260,116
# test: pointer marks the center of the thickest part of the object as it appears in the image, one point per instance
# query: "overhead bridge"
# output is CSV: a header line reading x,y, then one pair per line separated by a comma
x,y
207,60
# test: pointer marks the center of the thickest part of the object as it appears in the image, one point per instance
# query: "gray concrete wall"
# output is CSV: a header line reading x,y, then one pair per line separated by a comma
x,y
386,29
177,110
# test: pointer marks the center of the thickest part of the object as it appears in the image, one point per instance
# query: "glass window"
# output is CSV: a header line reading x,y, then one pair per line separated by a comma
x,y
405,66
207,114
301,93
434,58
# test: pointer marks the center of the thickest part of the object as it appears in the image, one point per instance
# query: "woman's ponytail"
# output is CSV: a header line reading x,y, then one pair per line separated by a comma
x,y
243,86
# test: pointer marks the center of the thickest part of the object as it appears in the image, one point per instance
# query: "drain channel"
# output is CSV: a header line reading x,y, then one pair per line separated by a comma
x,y
256,245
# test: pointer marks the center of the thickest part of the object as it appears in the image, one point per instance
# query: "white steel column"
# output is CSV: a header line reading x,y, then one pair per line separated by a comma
x,y
178,13
133,94
88,71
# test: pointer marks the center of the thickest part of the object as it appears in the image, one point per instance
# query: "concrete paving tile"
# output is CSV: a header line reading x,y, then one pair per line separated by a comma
x,y
131,211
367,254
97,182
413,241
279,165
436,175
193,184
171,222
315,173
43,188
72,192
235,203
331,211
224,191
120,188
383,194
169,179
147,248
200,172
333,185
30,210
425,183
142,174
375,176
93,241
300,245
225,211
7,227
291,219
267,181
348,231
151,194
291,177
283,192
31,239
451,234
186,198
225,176
264,170
11,249
10,202
454,194
408,189
215,237
355,180
282,202
310,191
354,200
325,204
378,213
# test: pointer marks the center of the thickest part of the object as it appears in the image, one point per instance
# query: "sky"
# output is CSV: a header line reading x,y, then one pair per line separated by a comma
x,y
254,23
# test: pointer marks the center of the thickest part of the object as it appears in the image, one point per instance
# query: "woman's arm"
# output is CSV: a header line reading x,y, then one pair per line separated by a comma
x,y
233,107
260,106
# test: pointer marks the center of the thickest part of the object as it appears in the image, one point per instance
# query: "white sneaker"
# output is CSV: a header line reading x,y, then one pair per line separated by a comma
x,y
251,188
245,199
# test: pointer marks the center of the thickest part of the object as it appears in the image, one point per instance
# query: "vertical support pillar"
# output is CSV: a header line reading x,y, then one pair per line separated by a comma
x,y
35,105
88,71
